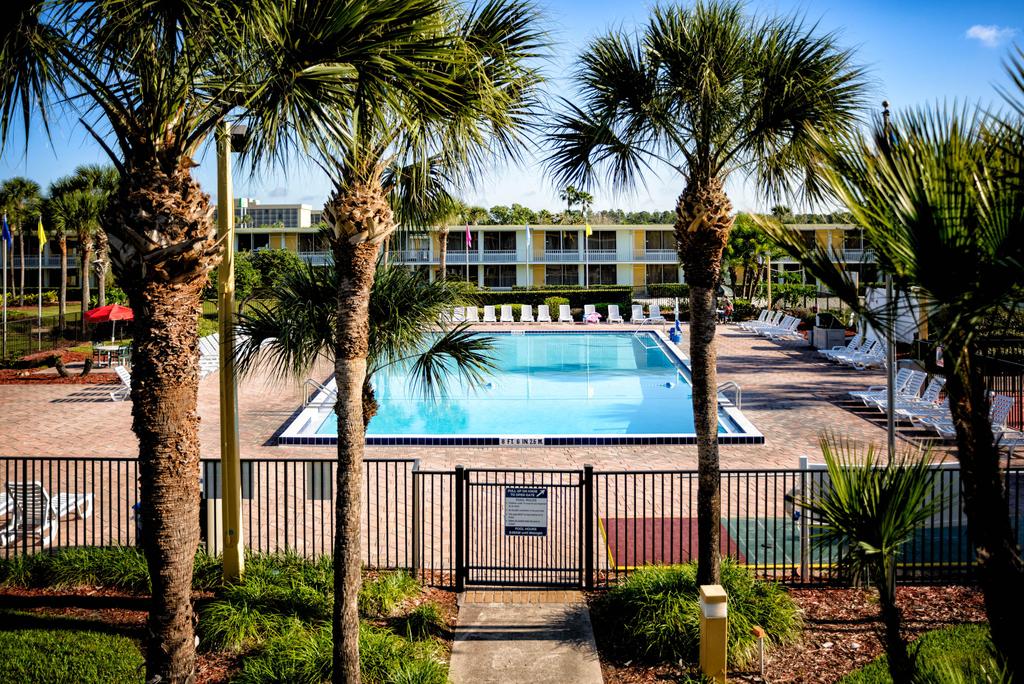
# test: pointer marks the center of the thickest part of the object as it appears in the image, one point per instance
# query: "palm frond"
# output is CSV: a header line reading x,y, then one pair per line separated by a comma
x,y
456,352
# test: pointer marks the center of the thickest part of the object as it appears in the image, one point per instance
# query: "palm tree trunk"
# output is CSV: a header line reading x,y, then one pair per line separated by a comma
x,y
86,255
165,385
101,284
21,254
361,220
901,668
1000,570
703,221
62,304
442,243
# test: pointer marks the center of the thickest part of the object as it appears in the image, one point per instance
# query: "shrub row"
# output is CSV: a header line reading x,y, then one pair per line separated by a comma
x,y
577,297
681,290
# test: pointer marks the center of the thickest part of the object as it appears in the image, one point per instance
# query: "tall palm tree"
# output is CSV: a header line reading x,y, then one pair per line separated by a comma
x,y
102,182
871,511
292,326
706,91
20,198
464,92
282,68
941,203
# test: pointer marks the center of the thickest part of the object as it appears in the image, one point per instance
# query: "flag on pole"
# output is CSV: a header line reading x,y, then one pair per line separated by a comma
x,y
42,234
6,235
527,226
589,230
469,237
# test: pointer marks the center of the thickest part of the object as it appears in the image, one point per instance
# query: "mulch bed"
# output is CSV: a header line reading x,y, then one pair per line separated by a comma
x,y
45,375
841,634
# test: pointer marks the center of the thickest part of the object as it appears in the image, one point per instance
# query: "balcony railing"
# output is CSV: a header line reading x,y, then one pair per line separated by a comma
x,y
413,256
503,256
459,257
599,255
659,255
562,255
48,262
316,258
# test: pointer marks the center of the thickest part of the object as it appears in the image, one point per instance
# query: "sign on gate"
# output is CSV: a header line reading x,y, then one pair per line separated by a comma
x,y
526,511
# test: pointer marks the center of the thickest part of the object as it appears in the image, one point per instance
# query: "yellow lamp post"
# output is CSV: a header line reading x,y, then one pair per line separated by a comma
x,y
714,631
228,138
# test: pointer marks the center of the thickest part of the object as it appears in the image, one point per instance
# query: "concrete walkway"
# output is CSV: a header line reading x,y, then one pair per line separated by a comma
x,y
528,637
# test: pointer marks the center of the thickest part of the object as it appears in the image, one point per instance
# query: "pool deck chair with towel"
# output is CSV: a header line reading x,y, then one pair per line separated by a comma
x,y
506,314
489,315
125,390
543,314
565,314
37,515
613,314
526,315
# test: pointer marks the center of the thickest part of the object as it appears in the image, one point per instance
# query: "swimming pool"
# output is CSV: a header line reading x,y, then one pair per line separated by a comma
x,y
551,388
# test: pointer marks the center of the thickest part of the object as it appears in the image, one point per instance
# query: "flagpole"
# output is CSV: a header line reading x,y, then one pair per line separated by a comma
x,y
39,307
467,252
3,353
529,276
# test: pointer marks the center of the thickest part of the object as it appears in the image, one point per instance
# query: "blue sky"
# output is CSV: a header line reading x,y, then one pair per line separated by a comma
x,y
916,52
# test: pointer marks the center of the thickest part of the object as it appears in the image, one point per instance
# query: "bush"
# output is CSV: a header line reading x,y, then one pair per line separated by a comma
x,y
669,290
380,596
654,613
273,266
70,651
111,567
743,310
555,302
423,621
576,296
962,653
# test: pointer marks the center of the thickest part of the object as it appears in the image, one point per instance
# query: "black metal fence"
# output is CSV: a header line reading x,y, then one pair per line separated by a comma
x,y
27,335
484,526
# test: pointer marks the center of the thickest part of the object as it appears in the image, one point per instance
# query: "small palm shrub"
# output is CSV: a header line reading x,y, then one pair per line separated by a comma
x,y
380,596
422,622
555,302
655,613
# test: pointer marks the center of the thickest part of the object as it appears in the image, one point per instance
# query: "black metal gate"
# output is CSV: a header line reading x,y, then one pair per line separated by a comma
x,y
522,527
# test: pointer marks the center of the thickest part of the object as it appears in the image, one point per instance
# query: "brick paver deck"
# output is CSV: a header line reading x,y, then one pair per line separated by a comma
x,y
788,394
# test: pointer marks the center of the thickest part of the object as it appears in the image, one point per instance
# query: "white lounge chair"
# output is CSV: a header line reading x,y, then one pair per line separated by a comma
x,y
771,321
37,514
928,401
565,314
590,314
865,348
855,343
999,413
899,382
873,359
655,313
911,391
637,316
125,389
489,316
506,314
459,314
761,318
526,314
543,314
613,314
472,314
788,325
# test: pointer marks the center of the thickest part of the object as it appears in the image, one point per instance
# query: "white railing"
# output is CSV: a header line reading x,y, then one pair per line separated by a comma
x,y
48,261
562,255
323,395
459,257
596,255
316,258
504,256
737,392
660,255
412,256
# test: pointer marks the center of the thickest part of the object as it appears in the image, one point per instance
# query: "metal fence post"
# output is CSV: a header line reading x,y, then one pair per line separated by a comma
x,y
588,526
415,520
805,546
460,529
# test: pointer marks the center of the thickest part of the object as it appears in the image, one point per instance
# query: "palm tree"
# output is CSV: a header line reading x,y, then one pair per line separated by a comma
x,y
102,182
20,199
282,68
706,91
464,92
871,511
941,203
292,327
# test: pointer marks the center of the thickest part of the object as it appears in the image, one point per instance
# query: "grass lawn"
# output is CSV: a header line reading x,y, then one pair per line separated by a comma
x,y
39,648
962,650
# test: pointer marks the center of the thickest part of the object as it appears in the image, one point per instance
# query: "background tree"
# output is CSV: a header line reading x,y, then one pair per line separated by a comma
x,y
706,91
20,198
870,510
280,68
63,209
747,242
941,202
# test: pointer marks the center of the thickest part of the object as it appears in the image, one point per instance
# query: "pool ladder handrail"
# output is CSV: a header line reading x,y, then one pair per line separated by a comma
x,y
738,392
331,394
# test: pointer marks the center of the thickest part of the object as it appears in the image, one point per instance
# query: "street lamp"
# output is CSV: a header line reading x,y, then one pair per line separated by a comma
x,y
229,139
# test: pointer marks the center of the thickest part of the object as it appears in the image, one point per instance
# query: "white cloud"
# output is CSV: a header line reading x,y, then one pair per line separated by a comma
x,y
990,35
279,191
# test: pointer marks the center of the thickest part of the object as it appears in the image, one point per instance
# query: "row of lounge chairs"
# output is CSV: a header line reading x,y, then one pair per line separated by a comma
x,y
929,408
471,314
774,326
861,352
209,362
34,515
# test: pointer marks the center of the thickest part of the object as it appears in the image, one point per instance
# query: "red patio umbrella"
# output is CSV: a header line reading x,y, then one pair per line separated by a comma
x,y
110,312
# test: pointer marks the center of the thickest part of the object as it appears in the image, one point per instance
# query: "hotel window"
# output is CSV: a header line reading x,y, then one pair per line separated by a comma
x,y
562,275
499,241
853,239
500,276
662,273
561,240
601,274
809,237
312,242
660,239
250,242
457,240
459,273
603,240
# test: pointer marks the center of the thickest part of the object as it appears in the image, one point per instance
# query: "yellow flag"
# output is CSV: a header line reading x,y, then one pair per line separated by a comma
x,y
42,235
589,231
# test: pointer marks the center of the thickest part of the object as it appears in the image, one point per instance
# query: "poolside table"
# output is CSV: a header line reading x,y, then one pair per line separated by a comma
x,y
106,350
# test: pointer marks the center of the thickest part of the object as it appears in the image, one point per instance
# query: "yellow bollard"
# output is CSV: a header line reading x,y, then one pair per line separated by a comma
x,y
714,631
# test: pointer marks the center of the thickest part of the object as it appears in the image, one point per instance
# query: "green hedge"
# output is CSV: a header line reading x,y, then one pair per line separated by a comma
x,y
681,290
577,297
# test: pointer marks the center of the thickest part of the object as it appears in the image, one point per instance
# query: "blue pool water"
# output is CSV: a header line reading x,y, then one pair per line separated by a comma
x,y
591,384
